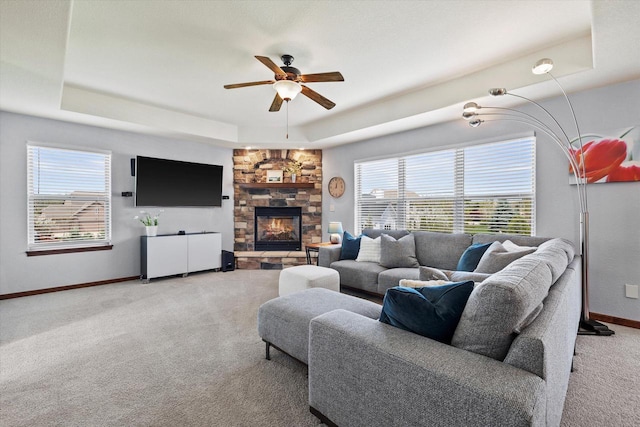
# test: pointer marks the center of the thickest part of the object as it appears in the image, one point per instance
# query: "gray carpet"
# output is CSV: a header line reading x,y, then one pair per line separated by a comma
x,y
185,351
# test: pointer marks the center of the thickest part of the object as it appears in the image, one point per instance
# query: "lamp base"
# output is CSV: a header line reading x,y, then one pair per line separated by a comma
x,y
593,327
335,238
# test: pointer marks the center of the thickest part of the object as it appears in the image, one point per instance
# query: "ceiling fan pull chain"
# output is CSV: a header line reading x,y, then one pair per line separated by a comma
x,y
287,119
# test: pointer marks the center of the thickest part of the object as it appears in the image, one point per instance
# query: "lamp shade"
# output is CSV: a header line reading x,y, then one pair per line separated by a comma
x,y
542,66
335,231
287,89
470,107
335,227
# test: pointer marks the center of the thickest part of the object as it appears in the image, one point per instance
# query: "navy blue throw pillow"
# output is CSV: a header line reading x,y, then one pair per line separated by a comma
x,y
432,311
350,246
471,256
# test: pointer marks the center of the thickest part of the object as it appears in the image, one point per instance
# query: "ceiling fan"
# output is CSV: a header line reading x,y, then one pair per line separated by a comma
x,y
288,83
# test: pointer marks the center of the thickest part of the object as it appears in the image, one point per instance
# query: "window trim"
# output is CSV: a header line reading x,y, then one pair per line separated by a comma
x,y
459,198
57,247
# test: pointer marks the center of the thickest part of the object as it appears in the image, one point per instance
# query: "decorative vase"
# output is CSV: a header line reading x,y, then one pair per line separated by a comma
x,y
293,177
152,230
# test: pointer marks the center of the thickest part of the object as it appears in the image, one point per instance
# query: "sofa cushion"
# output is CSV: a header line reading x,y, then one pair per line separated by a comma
x,y
441,250
471,256
399,253
557,253
432,311
350,246
374,232
518,239
430,273
391,277
360,275
501,304
499,255
460,276
369,250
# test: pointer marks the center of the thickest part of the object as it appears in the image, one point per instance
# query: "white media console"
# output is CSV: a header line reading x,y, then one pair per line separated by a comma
x,y
171,254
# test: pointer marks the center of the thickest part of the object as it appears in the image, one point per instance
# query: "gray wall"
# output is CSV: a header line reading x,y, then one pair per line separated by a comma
x,y
614,208
21,273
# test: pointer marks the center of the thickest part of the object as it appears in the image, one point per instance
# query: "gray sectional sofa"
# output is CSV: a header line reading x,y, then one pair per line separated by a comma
x,y
438,250
508,363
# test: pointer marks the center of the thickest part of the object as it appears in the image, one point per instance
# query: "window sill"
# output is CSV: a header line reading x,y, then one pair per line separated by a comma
x,y
69,250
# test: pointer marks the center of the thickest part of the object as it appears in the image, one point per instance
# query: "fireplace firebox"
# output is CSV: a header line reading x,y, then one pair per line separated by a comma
x,y
278,229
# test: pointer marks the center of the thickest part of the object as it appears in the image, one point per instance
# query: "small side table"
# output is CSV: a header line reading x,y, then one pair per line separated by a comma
x,y
315,247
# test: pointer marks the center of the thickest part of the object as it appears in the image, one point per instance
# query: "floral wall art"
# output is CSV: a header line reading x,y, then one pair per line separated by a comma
x,y
611,157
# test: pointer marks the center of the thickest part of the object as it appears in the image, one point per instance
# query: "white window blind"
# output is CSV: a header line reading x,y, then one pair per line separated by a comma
x,y
69,198
487,188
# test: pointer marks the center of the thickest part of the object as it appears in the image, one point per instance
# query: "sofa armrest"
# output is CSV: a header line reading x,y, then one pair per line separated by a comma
x,y
328,254
363,372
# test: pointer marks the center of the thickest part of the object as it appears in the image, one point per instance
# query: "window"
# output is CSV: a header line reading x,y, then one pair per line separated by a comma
x,y
69,198
487,188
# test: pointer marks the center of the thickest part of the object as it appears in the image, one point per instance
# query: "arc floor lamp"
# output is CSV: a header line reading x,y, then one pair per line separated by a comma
x,y
572,149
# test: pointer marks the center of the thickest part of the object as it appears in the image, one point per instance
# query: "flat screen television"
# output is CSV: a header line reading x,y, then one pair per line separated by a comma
x,y
162,182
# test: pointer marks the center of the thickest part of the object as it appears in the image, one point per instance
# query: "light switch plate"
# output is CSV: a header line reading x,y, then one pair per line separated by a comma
x,y
631,291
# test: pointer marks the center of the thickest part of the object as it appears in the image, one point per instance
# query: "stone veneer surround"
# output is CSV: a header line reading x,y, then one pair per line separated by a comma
x,y
251,166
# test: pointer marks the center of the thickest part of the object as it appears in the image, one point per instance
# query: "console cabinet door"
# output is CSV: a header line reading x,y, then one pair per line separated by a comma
x,y
205,251
166,256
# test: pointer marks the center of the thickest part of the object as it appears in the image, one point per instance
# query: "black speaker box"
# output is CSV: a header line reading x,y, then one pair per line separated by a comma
x,y
228,261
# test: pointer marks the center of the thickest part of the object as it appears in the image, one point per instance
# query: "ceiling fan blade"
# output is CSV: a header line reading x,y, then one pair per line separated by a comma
x,y
322,77
315,96
237,85
276,104
271,65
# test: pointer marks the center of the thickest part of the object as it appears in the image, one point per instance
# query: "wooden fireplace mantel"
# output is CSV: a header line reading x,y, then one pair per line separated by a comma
x,y
277,185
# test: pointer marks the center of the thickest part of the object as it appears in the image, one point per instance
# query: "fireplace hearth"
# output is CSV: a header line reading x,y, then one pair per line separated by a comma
x,y
278,229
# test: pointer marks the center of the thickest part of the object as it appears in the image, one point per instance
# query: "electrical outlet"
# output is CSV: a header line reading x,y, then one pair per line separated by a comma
x,y
631,291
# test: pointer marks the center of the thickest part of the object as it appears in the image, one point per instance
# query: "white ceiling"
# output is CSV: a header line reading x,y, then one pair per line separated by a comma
x,y
160,66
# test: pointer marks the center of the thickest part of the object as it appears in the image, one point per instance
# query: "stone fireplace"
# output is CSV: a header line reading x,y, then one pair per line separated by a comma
x,y
252,191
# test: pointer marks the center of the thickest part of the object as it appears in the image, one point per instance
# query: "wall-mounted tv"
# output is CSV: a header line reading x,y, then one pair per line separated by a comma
x,y
162,182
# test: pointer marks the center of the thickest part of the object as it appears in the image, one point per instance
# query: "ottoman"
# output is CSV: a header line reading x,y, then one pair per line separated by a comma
x,y
283,322
298,278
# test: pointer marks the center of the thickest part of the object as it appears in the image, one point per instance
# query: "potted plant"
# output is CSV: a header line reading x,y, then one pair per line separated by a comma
x,y
293,168
150,222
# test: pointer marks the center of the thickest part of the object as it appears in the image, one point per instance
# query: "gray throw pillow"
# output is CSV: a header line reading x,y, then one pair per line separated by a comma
x,y
500,305
399,253
430,273
499,255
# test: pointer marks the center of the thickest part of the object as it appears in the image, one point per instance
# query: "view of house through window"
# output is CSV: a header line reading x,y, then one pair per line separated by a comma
x,y
69,198
488,188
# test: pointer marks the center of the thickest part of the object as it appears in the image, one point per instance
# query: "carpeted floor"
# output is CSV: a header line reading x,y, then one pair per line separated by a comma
x,y
185,351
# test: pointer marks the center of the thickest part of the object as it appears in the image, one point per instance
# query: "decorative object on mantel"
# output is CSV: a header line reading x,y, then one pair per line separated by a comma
x,y
274,176
574,150
336,187
150,222
293,168
335,230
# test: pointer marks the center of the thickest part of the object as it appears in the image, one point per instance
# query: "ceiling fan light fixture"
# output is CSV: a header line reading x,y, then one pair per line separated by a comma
x,y
287,89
